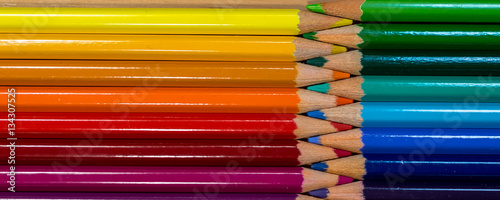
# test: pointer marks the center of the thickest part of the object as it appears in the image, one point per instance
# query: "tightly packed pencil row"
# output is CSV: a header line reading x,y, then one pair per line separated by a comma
x,y
232,104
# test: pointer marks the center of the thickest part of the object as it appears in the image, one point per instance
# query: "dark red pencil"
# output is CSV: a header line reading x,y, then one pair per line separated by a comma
x,y
166,126
168,152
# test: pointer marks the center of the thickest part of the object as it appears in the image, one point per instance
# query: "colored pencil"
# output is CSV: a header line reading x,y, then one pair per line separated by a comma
x,y
171,152
174,100
412,62
418,190
291,4
483,11
115,125
417,166
413,36
161,47
414,115
195,21
152,196
413,88
162,73
407,140
229,179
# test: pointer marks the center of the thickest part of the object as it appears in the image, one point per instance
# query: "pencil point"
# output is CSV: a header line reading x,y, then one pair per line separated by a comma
x,y
316,8
318,62
314,140
316,114
340,75
338,49
343,101
310,35
345,180
323,88
342,153
342,22
320,167
320,193
341,127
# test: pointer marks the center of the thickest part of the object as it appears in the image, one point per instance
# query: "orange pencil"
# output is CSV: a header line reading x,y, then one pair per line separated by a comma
x,y
162,73
160,99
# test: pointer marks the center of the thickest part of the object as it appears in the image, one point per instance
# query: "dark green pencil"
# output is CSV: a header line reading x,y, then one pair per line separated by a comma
x,y
413,36
413,62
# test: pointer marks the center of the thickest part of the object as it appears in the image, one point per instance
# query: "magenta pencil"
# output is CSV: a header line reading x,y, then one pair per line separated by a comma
x,y
149,196
229,179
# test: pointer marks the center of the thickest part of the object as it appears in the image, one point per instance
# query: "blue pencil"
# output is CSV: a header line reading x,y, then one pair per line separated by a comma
x,y
421,165
414,115
410,140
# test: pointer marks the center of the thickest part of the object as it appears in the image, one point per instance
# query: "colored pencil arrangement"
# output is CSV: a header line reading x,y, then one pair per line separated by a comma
x,y
156,102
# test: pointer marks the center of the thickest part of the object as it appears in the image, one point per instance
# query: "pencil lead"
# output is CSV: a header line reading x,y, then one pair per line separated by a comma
x,y
314,140
310,35
323,88
338,49
318,62
341,127
320,193
342,22
320,166
342,153
316,114
316,8
344,180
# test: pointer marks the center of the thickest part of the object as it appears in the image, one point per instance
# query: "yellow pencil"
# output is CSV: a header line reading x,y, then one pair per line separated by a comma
x,y
162,47
165,21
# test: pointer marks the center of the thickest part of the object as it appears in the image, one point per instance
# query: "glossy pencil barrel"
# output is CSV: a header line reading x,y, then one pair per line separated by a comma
x,y
446,141
162,73
157,99
419,166
95,152
157,47
229,179
149,196
430,63
155,21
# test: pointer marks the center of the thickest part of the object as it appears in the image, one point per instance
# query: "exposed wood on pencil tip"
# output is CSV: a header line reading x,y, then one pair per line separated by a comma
x,y
310,21
350,191
307,49
310,75
349,62
307,127
310,101
349,140
314,180
311,153
344,8
351,166
344,36
346,114
347,88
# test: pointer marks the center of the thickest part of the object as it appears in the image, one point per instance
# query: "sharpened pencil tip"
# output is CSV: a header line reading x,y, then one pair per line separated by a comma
x,y
343,101
319,166
342,22
316,8
318,62
314,140
316,114
344,180
341,127
323,88
310,35
342,153
320,193
338,49
340,75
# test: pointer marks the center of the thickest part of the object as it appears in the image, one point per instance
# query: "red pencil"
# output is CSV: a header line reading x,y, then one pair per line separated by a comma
x,y
169,152
166,126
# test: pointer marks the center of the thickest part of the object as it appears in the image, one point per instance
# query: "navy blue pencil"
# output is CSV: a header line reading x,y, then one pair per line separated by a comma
x,y
410,140
423,165
415,190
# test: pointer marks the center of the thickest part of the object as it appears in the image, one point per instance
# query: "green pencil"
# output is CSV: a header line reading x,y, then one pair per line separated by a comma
x,y
415,88
412,62
463,11
413,36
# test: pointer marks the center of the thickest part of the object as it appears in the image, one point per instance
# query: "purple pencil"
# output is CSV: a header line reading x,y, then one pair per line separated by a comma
x,y
149,196
167,179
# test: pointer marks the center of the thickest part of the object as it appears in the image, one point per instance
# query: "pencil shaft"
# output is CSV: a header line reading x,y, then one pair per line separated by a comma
x,y
146,196
423,165
427,88
231,179
430,190
174,100
446,141
250,152
430,63
157,47
161,73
